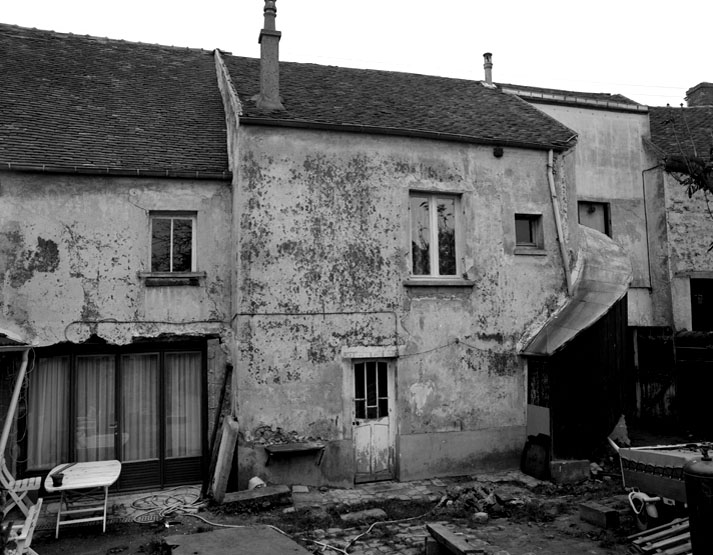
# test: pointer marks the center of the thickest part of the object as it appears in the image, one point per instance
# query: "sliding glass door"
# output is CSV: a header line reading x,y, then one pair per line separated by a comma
x,y
95,408
140,433
144,408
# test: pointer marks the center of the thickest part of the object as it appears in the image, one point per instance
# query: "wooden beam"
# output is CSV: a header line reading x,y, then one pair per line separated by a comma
x,y
224,462
10,418
457,545
214,440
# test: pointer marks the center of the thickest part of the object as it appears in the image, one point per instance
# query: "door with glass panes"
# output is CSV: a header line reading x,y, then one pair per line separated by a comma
x,y
373,423
142,408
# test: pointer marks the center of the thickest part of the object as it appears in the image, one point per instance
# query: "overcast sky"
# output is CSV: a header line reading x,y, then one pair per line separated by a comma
x,y
651,51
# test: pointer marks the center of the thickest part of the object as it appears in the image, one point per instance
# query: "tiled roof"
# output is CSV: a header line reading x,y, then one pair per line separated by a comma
x,y
676,131
559,96
69,100
103,105
397,103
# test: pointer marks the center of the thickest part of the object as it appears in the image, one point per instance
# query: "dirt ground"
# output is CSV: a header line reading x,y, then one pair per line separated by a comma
x,y
522,521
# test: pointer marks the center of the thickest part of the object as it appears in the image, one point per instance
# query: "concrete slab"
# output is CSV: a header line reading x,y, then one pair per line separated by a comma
x,y
598,514
251,540
368,514
260,498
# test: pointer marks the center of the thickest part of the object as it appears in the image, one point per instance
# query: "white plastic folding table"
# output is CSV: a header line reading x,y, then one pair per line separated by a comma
x,y
77,478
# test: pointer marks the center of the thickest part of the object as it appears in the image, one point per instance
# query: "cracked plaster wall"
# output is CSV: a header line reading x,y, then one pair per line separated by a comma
x,y
690,232
609,159
324,235
71,248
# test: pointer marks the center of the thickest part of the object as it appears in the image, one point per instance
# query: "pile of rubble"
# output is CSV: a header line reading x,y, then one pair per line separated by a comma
x,y
481,501
265,435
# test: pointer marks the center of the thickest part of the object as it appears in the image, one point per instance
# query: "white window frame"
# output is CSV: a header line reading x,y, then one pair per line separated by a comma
x,y
174,216
433,196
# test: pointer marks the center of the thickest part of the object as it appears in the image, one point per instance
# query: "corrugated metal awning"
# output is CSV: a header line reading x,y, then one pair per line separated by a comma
x,y
604,280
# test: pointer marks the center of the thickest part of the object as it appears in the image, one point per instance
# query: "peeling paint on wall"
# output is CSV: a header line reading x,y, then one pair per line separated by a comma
x,y
76,254
324,226
21,263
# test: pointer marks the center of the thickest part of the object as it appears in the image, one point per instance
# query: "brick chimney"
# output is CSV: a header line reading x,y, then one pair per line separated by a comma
x,y
269,98
700,95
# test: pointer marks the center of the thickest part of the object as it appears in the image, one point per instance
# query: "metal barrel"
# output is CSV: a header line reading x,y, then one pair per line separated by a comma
x,y
698,475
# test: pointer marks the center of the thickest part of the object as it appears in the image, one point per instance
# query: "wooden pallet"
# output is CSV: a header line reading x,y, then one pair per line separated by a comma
x,y
673,538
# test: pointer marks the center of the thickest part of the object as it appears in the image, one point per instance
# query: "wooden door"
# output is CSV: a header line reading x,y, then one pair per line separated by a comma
x,y
373,424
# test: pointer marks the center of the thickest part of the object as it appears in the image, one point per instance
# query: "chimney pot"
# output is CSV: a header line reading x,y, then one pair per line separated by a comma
x,y
488,65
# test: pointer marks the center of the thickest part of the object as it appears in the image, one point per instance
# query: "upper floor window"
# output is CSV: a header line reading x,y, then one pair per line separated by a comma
x,y
528,232
173,242
434,230
595,215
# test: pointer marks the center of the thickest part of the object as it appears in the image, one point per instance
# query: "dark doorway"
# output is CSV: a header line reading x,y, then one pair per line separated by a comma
x,y
702,304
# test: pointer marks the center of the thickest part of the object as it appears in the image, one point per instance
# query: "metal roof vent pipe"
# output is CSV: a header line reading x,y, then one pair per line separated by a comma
x,y
488,66
269,98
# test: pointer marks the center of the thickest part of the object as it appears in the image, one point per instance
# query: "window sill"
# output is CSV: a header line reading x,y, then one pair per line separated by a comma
x,y
171,279
530,251
438,282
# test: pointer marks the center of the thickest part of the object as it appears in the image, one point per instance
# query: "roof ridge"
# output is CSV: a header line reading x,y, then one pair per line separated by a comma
x,y
366,69
67,34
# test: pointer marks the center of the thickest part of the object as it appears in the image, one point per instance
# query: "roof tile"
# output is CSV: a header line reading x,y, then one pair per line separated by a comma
x,y
99,103
407,102
95,103
682,131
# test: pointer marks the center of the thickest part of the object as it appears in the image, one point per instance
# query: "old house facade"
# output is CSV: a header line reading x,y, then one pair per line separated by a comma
x,y
116,219
369,251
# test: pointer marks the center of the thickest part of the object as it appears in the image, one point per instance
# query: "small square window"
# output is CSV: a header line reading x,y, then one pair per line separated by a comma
x,y
528,231
434,235
173,242
595,215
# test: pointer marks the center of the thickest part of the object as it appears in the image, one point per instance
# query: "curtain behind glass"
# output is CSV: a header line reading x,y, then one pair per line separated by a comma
x,y
420,236
140,403
183,404
95,418
47,414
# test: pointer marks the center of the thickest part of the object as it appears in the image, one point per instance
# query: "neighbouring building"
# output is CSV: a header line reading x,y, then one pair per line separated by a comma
x,y
632,162
617,195
371,253
682,141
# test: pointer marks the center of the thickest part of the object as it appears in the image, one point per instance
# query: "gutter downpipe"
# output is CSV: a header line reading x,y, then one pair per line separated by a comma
x,y
558,221
13,402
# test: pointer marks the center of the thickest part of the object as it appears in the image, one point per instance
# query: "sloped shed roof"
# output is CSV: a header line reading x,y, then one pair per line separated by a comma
x,y
397,103
604,280
69,100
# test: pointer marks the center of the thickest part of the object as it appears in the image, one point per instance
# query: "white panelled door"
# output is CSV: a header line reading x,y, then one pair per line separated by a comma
x,y
373,426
